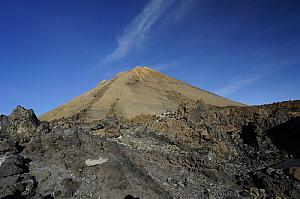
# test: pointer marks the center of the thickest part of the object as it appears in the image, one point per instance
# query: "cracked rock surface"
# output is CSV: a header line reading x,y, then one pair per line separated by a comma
x,y
198,151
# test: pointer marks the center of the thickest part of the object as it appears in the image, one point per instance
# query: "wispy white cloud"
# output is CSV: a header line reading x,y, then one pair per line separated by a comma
x,y
182,8
170,64
137,31
266,70
237,85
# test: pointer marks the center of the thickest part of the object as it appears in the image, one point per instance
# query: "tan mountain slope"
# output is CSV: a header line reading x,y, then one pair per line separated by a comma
x,y
139,91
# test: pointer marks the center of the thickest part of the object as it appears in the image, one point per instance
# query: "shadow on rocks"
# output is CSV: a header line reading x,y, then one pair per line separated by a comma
x,y
287,137
131,197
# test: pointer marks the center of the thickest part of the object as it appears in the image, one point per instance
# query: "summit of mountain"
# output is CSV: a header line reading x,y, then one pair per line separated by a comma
x,y
141,90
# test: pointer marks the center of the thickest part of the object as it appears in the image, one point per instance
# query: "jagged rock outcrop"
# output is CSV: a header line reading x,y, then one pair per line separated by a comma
x,y
197,151
21,123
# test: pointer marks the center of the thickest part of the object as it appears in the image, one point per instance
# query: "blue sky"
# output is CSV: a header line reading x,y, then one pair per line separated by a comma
x,y
54,50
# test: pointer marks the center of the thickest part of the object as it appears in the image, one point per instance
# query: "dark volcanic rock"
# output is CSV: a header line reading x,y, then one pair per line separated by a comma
x,y
27,116
63,153
9,186
8,147
12,165
199,151
69,187
283,187
17,186
19,125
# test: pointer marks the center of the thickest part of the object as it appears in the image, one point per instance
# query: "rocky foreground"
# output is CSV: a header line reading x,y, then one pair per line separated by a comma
x,y
198,151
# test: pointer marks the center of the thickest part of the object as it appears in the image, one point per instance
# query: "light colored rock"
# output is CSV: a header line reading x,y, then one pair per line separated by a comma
x,y
91,163
2,159
270,170
295,172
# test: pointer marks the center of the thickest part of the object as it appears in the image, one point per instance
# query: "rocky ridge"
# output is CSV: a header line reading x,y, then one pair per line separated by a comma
x,y
197,151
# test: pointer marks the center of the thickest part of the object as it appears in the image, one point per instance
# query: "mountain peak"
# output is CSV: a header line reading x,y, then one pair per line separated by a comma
x,y
129,94
143,71
142,68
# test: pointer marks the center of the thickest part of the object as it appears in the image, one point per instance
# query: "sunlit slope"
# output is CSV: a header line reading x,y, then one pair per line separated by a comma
x,y
139,91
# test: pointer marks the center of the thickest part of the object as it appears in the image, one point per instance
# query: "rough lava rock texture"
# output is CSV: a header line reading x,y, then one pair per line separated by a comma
x,y
197,151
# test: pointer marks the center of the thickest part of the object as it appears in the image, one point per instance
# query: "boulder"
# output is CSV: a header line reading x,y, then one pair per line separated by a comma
x,y
12,165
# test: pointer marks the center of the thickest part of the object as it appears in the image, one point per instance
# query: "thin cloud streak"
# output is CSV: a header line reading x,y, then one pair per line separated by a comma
x,y
233,87
165,12
170,64
178,12
237,85
135,33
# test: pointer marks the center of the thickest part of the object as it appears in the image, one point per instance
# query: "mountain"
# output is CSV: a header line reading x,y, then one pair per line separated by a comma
x,y
135,92
146,135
